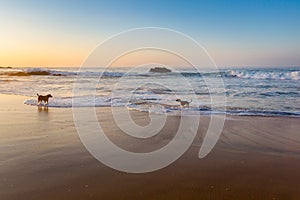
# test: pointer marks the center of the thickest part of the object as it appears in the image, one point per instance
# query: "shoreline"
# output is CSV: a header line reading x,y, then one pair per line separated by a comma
x,y
289,114
43,157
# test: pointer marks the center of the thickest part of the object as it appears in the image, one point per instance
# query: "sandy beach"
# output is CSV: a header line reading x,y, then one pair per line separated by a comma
x,y
41,157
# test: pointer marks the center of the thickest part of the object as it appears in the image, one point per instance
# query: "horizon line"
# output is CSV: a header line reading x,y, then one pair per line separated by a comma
x,y
232,66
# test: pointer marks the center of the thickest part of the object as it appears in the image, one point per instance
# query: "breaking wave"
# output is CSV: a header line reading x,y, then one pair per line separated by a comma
x,y
268,75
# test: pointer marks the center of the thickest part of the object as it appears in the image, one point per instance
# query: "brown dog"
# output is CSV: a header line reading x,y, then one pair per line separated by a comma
x,y
43,98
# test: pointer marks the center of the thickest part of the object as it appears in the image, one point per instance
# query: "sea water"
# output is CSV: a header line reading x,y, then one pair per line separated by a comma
x,y
248,91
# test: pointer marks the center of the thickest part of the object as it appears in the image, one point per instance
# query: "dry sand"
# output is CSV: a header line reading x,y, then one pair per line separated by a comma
x,y
41,157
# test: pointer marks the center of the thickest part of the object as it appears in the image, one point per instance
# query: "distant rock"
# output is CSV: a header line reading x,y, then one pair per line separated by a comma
x,y
160,70
29,73
33,72
5,67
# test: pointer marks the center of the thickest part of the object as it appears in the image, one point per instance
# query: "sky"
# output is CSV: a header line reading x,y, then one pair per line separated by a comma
x,y
62,33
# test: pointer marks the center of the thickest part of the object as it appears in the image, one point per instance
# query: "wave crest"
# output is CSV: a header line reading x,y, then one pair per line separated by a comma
x,y
275,75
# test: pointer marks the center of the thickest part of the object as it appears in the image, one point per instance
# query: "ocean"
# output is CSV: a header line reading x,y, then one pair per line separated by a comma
x,y
248,91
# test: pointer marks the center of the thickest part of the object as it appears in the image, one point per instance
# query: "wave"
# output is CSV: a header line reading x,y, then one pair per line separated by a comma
x,y
36,72
201,74
48,72
206,110
268,75
68,102
152,106
244,74
78,101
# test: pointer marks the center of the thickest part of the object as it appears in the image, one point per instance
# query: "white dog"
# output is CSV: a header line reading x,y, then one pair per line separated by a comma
x,y
184,103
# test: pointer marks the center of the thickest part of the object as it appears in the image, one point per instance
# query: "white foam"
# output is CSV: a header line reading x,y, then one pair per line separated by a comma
x,y
276,75
68,102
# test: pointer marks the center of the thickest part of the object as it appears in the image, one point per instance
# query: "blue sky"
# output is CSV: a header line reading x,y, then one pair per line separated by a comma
x,y
235,33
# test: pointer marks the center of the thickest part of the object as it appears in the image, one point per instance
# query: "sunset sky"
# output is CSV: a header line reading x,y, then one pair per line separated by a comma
x,y
61,33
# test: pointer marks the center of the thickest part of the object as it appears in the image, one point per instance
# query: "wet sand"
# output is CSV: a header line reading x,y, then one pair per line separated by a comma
x,y
41,157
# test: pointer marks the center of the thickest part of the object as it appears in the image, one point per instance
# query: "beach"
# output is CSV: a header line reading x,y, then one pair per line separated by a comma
x,y
42,157
150,100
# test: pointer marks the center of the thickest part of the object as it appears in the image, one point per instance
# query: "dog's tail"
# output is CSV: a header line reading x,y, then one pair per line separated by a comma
x,y
191,101
37,94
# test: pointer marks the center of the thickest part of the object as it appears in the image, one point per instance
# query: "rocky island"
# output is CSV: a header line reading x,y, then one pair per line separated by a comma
x,y
160,70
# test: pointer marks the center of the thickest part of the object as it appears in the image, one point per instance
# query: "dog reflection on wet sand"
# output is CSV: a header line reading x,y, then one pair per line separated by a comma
x,y
43,108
